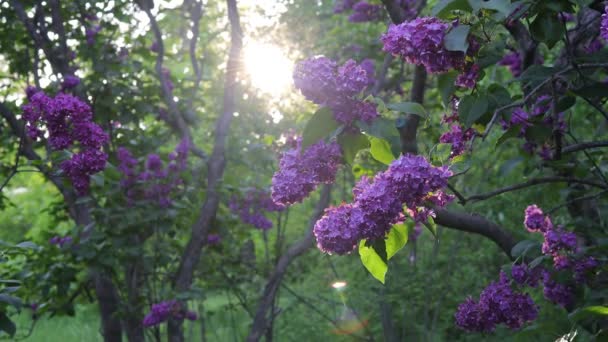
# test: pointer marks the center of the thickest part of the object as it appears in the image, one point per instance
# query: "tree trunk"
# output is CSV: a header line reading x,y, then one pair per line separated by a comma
x,y
260,321
108,306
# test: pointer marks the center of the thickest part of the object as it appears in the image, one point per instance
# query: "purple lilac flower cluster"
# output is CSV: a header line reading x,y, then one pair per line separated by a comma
x,y
560,244
92,29
301,172
155,181
468,79
365,12
70,82
594,46
458,137
252,206
604,24
483,316
498,304
60,241
165,310
321,81
421,42
214,239
513,61
524,119
410,181
68,120
154,47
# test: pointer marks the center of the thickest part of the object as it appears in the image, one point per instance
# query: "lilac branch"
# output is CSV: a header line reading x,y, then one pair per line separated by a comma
x,y
260,321
177,121
532,182
584,146
215,169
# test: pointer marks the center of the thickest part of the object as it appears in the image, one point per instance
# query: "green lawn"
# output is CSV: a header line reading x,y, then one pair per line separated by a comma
x,y
82,327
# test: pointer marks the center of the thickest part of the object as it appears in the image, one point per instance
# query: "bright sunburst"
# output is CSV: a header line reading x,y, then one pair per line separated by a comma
x,y
268,67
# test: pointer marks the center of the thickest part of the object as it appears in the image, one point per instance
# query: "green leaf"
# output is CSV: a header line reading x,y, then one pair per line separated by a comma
x,y
501,6
536,74
13,301
352,143
27,245
565,103
498,96
381,128
456,39
538,133
443,8
7,325
431,226
512,132
471,108
441,153
588,311
445,83
397,238
596,90
98,179
372,261
547,28
320,126
381,150
409,108
522,248
460,163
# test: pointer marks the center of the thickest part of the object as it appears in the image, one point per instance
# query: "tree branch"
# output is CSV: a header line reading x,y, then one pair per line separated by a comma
x,y
532,182
477,225
217,162
584,146
260,321
177,120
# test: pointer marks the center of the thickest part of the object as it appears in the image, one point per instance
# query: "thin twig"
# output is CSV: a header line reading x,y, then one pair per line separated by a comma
x,y
532,182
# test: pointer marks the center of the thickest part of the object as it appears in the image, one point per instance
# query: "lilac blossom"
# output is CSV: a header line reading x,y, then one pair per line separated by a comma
x,y
523,275
421,41
338,231
68,121
535,220
166,310
156,180
252,207
468,79
213,239
60,241
557,293
378,204
70,81
498,304
301,172
364,11
344,5
513,61
604,24
458,138
323,82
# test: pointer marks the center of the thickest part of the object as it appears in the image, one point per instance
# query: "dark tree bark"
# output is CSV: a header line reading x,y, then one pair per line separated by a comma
x,y
261,319
216,165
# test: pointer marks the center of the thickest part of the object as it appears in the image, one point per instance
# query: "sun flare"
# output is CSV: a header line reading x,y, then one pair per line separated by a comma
x,y
268,67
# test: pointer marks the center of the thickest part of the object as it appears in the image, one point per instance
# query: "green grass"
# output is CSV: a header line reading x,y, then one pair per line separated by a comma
x,y
82,327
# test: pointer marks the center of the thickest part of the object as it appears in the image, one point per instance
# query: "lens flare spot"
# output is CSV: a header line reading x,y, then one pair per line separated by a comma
x,y
338,285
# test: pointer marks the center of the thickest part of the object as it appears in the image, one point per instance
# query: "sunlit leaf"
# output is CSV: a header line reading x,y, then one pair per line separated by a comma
x,y
372,261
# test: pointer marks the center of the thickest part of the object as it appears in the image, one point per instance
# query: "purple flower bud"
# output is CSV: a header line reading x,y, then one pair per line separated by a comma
x,y
70,81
